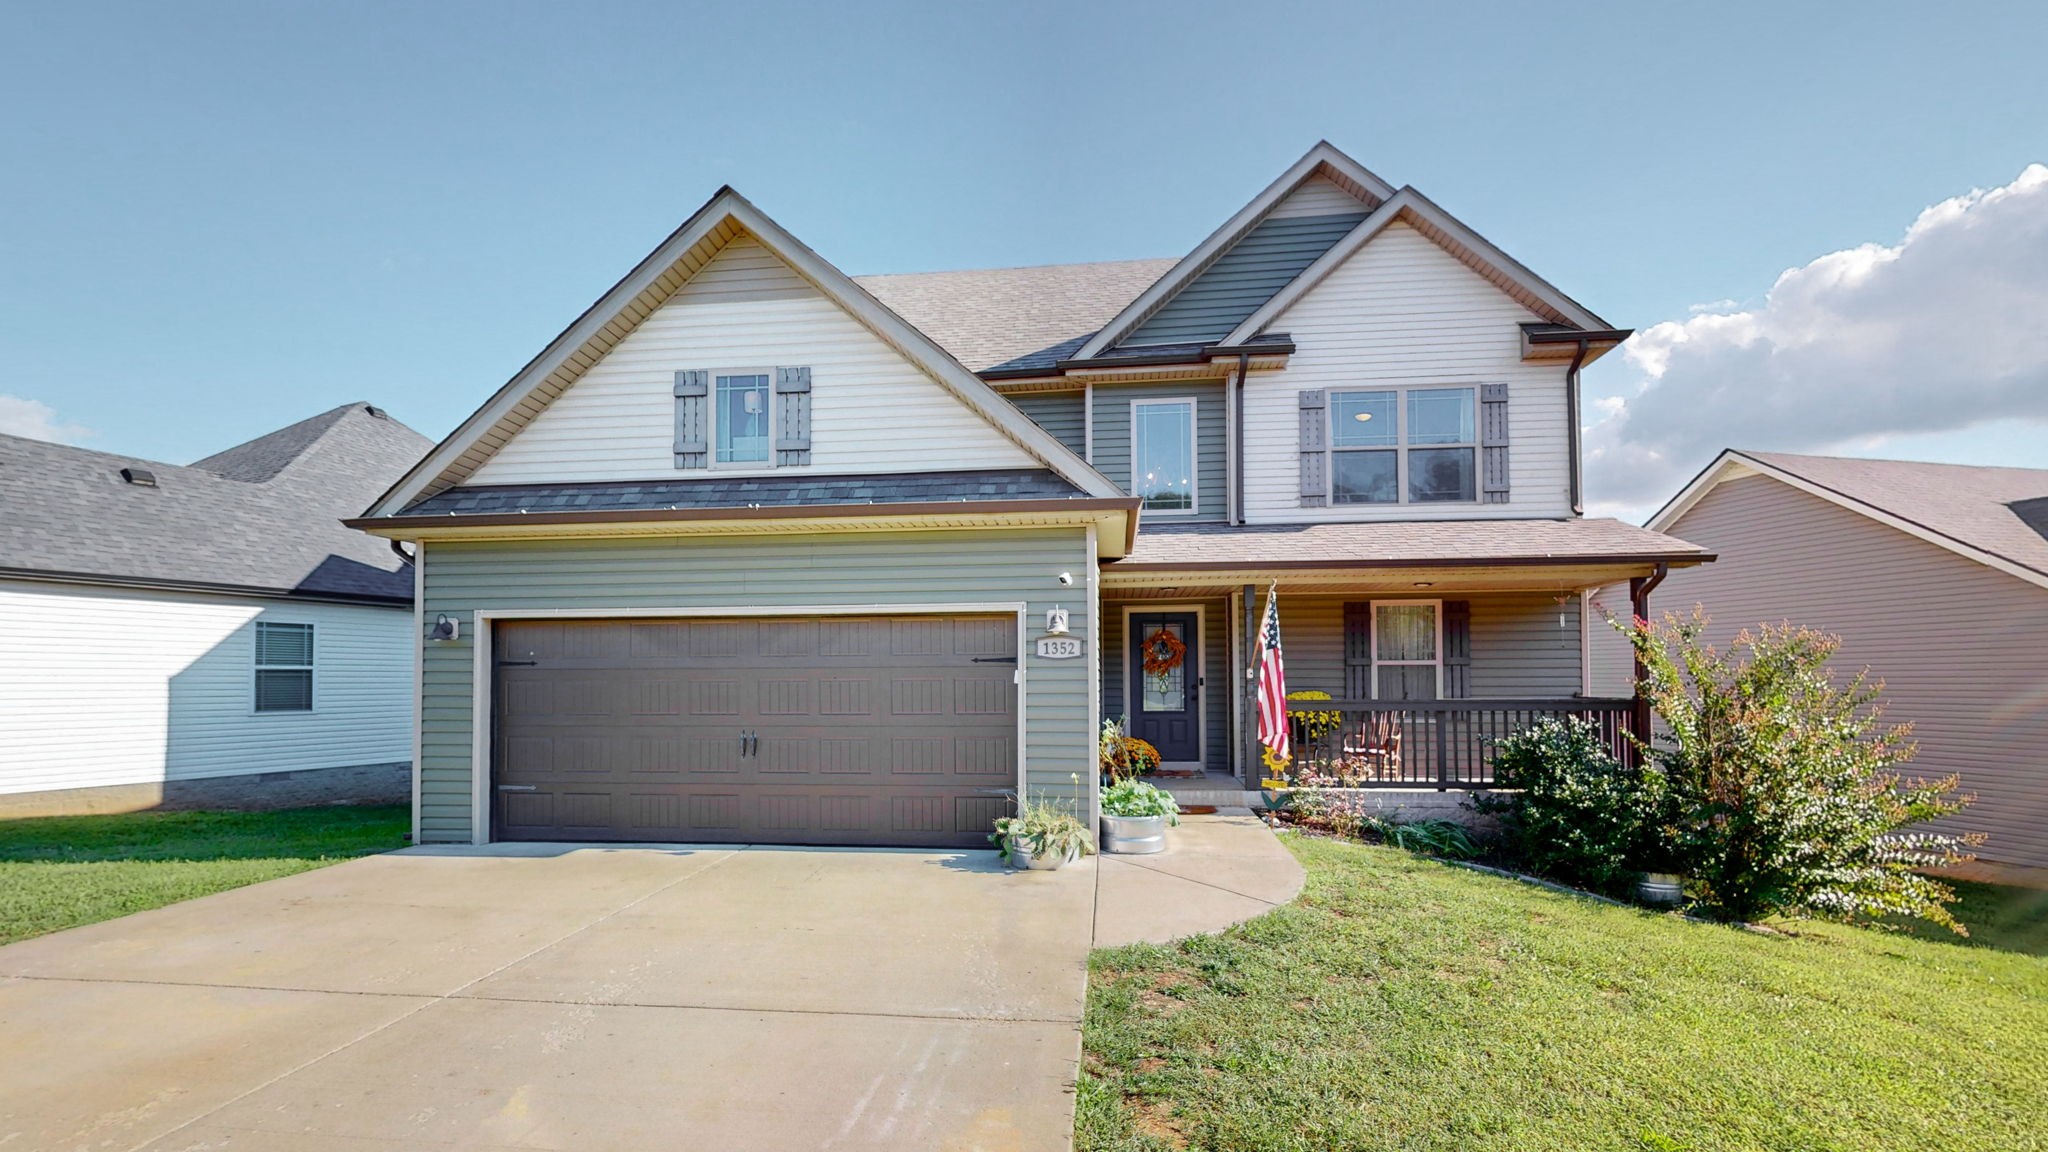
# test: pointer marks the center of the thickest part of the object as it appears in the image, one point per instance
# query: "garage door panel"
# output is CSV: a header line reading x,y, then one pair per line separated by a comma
x,y
864,730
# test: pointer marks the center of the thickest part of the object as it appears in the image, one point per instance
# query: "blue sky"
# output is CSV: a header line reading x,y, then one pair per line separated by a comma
x,y
217,218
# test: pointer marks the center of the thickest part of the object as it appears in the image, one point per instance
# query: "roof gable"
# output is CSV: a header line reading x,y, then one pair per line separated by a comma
x,y
726,217
1267,259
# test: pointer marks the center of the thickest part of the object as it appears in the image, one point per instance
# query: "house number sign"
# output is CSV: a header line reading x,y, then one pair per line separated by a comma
x,y
1059,647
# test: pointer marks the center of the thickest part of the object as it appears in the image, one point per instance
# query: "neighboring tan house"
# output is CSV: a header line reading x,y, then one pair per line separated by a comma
x,y
1935,576
754,551
207,635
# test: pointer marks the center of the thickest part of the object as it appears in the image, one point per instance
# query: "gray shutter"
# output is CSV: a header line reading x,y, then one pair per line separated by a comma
x,y
1457,649
1315,449
693,418
1357,650
1493,443
793,427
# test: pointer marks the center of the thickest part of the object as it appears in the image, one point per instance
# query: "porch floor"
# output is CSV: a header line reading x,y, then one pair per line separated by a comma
x,y
1216,871
1214,789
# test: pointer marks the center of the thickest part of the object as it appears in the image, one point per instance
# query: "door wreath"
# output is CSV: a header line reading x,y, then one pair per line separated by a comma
x,y
1163,653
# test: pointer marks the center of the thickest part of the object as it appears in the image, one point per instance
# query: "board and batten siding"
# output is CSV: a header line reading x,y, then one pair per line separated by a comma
x,y
1064,414
1962,648
1212,461
871,410
870,570
102,687
1215,655
1518,649
1402,312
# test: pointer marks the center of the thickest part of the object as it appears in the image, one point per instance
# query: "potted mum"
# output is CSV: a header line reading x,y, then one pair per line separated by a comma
x,y
1042,836
1135,816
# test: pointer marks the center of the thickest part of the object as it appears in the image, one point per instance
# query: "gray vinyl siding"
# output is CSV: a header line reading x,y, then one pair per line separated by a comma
x,y
1215,671
934,567
1060,413
1269,257
1962,648
1517,648
1212,460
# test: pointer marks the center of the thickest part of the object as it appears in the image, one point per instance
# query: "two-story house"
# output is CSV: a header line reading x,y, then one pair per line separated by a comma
x,y
755,551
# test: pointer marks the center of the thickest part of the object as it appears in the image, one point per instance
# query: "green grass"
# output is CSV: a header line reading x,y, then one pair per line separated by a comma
x,y
63,871
1404,1003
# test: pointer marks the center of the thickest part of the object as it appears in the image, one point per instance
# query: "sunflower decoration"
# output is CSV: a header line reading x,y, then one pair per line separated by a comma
x,y
1163,653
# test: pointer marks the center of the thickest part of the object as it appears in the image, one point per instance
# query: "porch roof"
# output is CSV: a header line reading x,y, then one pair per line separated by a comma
x,y
1404,544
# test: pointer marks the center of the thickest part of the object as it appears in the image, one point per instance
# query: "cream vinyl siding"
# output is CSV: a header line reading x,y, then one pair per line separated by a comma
x,y
1402,312
871,410
102,687
1517,648
1614,662
1317,196
1962,648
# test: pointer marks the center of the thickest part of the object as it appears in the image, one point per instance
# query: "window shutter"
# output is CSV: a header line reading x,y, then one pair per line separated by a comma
x,y
1357,650
693,416
793,430
1493,443
1315,449
1457,649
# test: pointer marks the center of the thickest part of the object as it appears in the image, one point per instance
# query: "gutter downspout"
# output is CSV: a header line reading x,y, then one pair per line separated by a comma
x,y
1571,401
398,546
1639,589
1244,370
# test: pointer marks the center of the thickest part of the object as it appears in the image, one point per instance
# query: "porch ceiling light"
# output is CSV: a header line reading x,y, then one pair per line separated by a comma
x,y
1425,583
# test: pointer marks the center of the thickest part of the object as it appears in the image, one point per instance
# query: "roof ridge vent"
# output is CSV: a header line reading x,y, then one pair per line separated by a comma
x,y
379,413
140,477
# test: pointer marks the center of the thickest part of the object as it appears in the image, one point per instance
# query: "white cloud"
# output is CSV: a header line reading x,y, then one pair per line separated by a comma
x,y
1945,331
36,420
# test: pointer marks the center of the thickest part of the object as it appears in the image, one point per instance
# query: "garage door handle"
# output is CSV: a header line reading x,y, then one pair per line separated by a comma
x,y
518,787
995,659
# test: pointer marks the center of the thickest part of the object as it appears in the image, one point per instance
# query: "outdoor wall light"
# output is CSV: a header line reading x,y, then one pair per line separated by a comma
x,y
446,627
1055,621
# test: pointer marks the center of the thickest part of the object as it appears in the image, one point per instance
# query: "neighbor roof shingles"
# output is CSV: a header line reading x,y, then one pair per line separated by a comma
x,y
1449,542
988,316
68,512
1969,504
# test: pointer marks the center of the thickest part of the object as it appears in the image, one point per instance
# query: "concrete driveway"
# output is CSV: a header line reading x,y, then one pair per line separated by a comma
x,y
557,997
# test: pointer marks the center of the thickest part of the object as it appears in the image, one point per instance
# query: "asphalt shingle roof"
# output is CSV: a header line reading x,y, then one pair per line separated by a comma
x,y
988,316
744,492
1988,509
1449,542
265,515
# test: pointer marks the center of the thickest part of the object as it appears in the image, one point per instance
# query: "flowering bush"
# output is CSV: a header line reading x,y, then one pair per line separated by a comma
x,y
1573,813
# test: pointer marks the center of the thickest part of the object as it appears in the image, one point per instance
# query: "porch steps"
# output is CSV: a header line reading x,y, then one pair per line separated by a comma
x,y
1213,789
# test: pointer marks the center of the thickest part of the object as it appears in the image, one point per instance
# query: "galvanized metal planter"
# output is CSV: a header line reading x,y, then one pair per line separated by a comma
x,y
1046,862
1134,835
1660,890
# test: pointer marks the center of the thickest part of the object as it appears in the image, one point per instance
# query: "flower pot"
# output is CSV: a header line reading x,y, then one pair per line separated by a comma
x,y
1134,835
1661,889
1039,862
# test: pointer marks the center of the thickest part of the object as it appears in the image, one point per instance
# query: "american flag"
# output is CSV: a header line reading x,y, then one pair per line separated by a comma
x,y
1272,681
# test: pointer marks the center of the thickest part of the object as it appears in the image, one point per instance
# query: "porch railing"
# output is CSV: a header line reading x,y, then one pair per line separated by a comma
x,y
1442,744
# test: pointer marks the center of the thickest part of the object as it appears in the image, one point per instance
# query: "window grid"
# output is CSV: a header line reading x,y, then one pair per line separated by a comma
x,y
283,667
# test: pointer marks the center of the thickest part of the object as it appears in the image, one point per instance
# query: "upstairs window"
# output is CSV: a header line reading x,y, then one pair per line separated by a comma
x,y
284,667
1163,454
741,410
1417,445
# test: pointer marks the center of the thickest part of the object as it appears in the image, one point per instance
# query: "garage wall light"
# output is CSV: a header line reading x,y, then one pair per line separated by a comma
x,y
446,627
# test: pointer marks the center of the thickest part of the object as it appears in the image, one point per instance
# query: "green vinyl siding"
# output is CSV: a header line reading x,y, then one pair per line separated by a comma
x,y
1269,257
753,572
1060,413
1212,462
1215,657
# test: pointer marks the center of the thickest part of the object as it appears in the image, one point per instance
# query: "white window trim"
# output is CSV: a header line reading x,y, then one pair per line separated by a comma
x,y
1436,607
311,669
711,460
1400,447
1194,460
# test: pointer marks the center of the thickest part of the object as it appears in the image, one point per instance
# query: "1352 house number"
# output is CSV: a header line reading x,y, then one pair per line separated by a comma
x,y
1058,647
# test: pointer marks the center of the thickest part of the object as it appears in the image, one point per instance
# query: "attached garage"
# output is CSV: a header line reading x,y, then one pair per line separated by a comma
x,y
856,730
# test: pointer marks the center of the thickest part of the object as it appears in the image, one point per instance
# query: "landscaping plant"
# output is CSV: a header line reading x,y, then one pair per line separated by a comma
x,y
1040,828
1572,811
1129,797
1782,789
1122,755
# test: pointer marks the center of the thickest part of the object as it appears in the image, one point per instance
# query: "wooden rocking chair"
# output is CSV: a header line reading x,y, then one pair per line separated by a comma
x,y
1375,745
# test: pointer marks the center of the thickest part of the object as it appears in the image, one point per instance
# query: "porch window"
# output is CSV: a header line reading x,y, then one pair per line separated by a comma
x,y
1382,447
1163,454
740,408
1407,650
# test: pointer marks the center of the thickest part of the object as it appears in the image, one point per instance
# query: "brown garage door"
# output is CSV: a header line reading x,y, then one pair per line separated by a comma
x,y
886,730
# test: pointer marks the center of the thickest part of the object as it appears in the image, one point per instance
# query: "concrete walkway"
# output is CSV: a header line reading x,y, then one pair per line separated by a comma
x,y
1216,871
572,998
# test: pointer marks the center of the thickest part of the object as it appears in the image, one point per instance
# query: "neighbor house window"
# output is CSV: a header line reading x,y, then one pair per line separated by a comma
x,y
284,667
740,406
1407,650
1163,454
1417,445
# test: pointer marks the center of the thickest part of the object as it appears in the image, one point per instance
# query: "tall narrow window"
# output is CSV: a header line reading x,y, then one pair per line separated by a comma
x,y
1417,446
1441,416
1407,658
1163,454
284,667
740,409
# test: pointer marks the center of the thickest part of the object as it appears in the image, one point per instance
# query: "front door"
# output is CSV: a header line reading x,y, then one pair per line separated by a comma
x,y
1166,702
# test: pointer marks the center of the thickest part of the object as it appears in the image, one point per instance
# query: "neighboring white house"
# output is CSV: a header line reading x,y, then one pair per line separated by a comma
x,y
206,635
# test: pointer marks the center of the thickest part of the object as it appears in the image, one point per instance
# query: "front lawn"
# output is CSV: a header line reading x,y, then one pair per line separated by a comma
x,y
63,871
1404,1003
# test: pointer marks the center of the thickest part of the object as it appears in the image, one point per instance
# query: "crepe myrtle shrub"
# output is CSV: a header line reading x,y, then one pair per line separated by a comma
x,y
1783,795
1568,809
